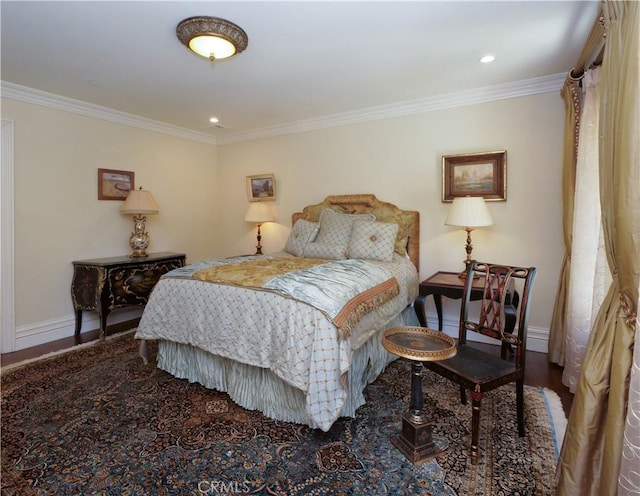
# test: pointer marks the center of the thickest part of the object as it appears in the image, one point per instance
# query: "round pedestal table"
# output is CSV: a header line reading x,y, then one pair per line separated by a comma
x,y
417,344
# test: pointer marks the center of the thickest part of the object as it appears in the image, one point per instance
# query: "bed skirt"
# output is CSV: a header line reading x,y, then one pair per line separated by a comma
x,y
256,388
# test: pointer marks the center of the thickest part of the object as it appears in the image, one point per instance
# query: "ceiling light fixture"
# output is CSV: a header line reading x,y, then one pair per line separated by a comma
x,y
212,37
487,58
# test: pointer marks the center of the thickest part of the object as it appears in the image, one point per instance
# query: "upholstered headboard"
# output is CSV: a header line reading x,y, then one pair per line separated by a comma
x,y
407,220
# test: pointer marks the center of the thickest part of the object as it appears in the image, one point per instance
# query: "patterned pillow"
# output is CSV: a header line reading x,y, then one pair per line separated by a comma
x,y
303,232
327,251
335,228
373,240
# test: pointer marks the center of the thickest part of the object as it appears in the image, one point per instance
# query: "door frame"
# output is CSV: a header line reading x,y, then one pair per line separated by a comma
x,y
7,267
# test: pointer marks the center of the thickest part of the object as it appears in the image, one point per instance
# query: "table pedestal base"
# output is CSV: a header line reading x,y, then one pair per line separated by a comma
x,y
415,441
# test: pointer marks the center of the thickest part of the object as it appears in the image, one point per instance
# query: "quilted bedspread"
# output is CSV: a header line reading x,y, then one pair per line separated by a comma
x,y
345,290
298,329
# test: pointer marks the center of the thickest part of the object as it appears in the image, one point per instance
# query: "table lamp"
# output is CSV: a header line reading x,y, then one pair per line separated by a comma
x,y
139,203
259,213
468,212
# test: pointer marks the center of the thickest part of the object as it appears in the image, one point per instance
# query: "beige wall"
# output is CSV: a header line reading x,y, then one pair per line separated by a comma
x,y
58,217
201,193
400,160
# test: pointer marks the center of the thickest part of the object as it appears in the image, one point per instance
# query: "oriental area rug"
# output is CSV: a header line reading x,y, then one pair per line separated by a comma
x,y
98,421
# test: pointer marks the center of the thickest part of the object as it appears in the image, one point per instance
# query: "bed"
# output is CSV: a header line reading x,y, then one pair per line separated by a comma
x,y
272,333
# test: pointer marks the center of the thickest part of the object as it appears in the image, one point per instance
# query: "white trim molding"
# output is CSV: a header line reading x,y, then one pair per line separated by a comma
x,y
533,86
7,268
54,329
516,89
38,97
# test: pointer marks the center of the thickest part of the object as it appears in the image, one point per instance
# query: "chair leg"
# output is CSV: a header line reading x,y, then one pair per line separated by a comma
x,y
475,424
520,406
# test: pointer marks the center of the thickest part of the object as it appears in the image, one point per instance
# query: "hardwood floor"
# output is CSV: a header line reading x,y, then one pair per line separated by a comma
x,y
63,344
539,371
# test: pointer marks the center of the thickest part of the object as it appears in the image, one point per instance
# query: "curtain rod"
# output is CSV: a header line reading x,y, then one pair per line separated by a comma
x,y
594,47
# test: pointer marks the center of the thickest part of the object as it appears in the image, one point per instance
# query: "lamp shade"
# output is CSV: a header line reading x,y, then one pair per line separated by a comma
x,y
468,211
139,202
259,212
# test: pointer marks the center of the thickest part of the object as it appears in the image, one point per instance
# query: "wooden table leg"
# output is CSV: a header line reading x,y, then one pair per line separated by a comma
x,y
415,440
437,299
78,322
418,306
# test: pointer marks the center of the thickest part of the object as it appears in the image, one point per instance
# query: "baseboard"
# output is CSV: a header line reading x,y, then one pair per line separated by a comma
x,y
537,338
52,330
45,332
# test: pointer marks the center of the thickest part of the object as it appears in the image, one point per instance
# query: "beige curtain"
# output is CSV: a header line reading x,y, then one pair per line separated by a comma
x,y
590,279
558,329
590,460
629,480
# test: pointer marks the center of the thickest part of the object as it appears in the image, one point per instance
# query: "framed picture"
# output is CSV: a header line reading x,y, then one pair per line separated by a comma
x,y
475,174
261,187
114,184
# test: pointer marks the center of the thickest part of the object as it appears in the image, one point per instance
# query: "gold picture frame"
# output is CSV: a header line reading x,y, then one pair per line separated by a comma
x,y
475,174
115,184
261,187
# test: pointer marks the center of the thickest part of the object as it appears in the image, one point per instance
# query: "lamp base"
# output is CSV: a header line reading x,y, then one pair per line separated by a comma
x,y
139,240
463,275
138,254
258,246
469,249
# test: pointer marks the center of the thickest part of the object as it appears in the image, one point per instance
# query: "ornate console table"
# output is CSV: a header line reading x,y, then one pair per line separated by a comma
x,y
106,284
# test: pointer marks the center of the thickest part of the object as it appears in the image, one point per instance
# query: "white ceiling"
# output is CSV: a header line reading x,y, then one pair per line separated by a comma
x,y
305,61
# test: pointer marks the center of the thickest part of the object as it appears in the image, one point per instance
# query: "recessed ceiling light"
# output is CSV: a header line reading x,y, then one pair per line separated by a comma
x,y
487,58
214,120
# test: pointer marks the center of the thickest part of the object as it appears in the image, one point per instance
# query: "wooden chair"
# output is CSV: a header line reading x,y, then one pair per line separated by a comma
x,y
480,371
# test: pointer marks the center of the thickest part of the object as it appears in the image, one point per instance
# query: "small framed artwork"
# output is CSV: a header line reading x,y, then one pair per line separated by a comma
x,y
261,187
475,174
114,184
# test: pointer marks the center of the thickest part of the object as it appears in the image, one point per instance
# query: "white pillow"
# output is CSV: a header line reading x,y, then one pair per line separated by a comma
x,y
335,227
373,240
303,232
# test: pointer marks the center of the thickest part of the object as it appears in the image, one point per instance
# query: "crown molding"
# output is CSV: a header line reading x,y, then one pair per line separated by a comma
x,y
517,89
527,87
37,97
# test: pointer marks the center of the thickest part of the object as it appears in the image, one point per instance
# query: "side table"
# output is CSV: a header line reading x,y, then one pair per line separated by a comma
x,y
450,285
417,344
443,284
105,284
